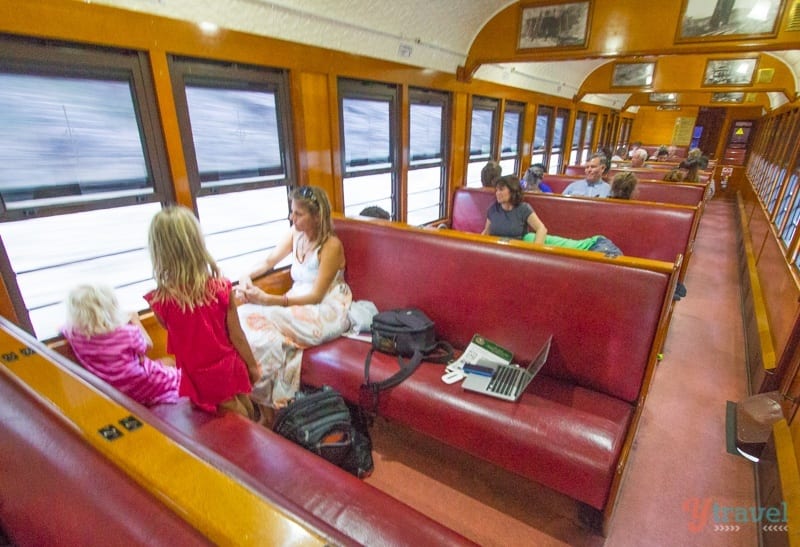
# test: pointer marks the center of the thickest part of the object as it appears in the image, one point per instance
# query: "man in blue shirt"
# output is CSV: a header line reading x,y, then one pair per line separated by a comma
x,y
593,185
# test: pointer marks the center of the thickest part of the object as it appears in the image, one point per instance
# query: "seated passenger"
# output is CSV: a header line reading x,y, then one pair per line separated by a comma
x,y
374,211
593,185
490,173
313,311
639,157
675,175
693,165
662,154
511,217
534,179
112,346
623,186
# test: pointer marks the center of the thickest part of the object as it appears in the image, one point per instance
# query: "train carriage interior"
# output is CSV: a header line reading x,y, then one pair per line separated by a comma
x,y
666,412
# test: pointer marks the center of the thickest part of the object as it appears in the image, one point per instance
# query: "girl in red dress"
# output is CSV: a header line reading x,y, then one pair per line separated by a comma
x,y
196,306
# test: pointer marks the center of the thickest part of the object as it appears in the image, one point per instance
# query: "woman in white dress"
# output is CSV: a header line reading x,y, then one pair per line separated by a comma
x,y
313,311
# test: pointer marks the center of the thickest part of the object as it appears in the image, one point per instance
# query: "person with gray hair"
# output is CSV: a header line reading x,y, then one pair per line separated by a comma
x,y
639,157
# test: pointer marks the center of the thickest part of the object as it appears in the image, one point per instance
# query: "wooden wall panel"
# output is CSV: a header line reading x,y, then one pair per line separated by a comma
x,y
458,138
781,292
651,126
311,103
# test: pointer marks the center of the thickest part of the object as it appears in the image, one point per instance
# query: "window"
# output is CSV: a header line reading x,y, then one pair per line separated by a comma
x,y
603,140
587,138
83,172
482,143
512,137
789,200
625,125
555,163
427,168
234,124
776,178
369,144
576,153
541,138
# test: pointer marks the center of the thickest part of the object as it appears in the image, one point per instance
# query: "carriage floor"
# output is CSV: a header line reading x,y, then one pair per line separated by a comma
x,y
678,466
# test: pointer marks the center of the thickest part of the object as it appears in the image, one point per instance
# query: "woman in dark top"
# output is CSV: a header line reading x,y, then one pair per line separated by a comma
x,y
510,216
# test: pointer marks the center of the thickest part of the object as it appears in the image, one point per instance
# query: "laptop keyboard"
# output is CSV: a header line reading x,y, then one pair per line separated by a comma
x,y
505,380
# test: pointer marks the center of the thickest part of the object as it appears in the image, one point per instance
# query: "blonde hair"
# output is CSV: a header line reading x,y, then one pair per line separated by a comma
x,y
182,265
93,310
315,201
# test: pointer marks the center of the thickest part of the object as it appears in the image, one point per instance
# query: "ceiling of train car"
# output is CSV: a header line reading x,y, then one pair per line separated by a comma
x,y
435,34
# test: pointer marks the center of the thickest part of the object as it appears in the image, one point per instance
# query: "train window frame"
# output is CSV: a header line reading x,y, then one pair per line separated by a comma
x,y
418,97
558,153
588,134
544,120
242,217
37,282
366,91
187,73
510,161
787,214
57,59
578,129
476,161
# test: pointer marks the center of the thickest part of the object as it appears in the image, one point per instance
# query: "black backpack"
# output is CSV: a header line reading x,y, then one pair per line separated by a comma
x,y
406,333
321,421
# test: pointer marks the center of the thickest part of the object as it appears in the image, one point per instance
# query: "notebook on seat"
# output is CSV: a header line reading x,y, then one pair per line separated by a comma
x,y
507,382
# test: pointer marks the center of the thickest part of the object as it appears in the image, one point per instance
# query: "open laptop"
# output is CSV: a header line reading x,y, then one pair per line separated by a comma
x,y
507,382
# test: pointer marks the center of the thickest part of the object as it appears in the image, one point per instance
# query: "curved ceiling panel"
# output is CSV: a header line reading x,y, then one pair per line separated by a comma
x,y
481,38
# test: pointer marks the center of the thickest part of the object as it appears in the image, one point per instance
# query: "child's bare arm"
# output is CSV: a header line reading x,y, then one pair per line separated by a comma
x,y
239,341
134,319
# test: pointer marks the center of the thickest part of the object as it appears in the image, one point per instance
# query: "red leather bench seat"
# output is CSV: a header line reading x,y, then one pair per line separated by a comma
x,y
568,430
55,489
306,483
340,507
559,434
640,229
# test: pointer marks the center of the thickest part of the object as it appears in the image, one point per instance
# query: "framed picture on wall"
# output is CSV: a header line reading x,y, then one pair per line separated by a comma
x,y
707,20
633,75
729,72
728,97
554,25
663,97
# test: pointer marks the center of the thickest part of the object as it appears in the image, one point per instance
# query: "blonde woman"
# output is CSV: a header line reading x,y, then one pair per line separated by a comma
x,y
279,327
112,346
196,306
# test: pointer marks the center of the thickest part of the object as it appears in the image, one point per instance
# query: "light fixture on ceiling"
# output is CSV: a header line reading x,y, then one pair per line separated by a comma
x,y
404,50
208,28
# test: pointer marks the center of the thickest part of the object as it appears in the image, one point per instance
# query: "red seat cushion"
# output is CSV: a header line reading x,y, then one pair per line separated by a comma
x,y
559,434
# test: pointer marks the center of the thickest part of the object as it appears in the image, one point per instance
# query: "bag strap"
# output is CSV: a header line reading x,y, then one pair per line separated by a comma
x,y
441,353
406,369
